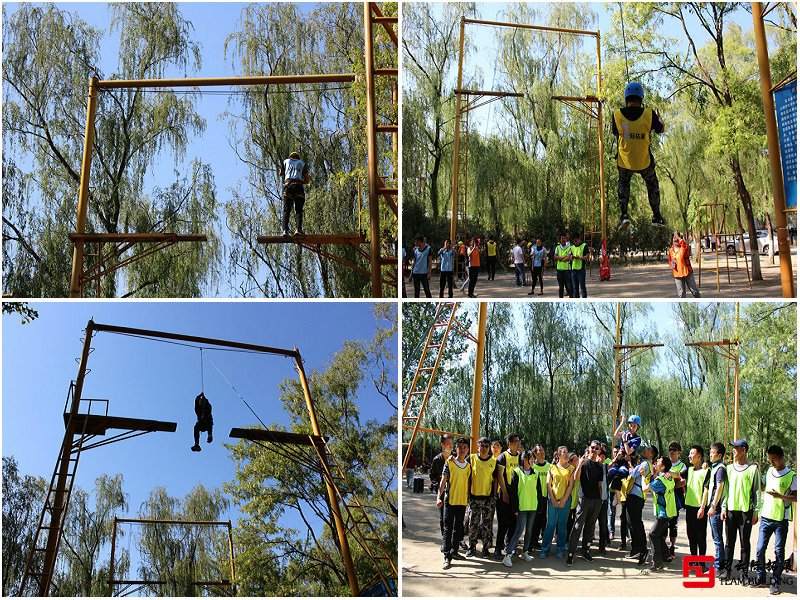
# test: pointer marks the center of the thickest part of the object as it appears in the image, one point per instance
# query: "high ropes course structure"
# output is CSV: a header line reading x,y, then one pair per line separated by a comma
x,y
382,269
82,427
590,106
447,323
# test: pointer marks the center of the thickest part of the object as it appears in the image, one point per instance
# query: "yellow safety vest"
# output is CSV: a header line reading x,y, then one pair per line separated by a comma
x,y
669,498
740,486
491,248
482,475
773,508
526,490
458,484
577,265
695,478
512,462
562,265
633,137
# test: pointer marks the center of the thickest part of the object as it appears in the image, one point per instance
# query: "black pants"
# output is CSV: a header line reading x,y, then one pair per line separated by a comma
x,y
536,274
473,279
491,265
696,531
423,281
506,524
603,519
658,539
585,520
294,196
741,524
650,180
540,521
571,519
453,527
673,527
623,522
204,425
446,279
564,282
441,520
633,508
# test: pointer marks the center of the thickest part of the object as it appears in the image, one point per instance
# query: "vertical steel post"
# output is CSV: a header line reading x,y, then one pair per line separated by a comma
x,y
83,194
233,561
736,379
111,561
775,171
616,401
477,384
372,160
457,137
601,145
337,514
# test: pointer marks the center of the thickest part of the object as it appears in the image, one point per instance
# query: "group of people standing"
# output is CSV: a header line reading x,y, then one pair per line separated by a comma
x,y
565,498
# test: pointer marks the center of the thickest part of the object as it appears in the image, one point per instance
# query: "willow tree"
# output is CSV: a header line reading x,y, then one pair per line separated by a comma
x,y
325,123
49,56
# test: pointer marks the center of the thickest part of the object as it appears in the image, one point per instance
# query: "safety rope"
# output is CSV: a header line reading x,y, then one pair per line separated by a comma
x,y
624,43
255,414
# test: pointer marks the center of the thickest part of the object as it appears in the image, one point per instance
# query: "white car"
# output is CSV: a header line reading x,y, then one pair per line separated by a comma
x,y
763,242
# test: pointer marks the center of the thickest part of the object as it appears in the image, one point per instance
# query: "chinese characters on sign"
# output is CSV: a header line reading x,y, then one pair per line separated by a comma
x,y
786,112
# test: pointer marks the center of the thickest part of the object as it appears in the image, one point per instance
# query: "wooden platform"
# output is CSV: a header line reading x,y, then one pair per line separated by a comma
x,y
99,424
279,437
312,239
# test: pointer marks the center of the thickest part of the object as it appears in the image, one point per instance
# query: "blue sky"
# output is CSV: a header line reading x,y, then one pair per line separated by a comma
x,y
146,379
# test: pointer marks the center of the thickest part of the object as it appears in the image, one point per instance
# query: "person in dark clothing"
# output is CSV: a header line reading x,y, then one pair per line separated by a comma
x,y
205,422
437,468
506,519
590,475
632,126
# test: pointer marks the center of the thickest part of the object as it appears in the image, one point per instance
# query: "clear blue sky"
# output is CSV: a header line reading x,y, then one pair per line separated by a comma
x,y
153,380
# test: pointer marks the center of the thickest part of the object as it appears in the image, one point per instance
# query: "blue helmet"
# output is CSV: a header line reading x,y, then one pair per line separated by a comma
x,y
634,90
635,418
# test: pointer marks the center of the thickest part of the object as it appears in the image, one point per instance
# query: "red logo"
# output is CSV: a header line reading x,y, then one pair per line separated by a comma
x,y
694,565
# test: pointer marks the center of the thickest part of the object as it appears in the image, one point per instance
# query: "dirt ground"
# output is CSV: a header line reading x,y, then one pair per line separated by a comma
x,y
611,575
635,280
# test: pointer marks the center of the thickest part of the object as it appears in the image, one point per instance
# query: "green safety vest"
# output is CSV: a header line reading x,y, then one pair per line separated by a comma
x,y
542,471
633,140
526,490
740,484
512,462
577,265
562,266
575,487
669,497
694,486
773,508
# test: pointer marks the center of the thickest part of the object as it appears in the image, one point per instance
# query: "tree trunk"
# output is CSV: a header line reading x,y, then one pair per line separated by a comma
x,y
747,204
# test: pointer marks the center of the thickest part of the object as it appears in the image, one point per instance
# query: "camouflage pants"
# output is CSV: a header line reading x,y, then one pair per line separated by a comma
x,y
650,180
481,521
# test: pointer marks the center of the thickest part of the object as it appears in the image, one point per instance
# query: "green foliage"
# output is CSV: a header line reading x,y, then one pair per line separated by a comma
x,y
26,313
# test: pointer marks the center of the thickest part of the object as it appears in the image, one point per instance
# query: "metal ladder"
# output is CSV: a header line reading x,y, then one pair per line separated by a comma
x,y
358,523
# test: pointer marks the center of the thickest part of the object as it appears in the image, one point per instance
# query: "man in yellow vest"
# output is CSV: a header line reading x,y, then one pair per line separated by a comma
x,y
777,513
740,508
632,127
563,264
486,476
695,501
664,507
506,519
491,257
453,498
580,254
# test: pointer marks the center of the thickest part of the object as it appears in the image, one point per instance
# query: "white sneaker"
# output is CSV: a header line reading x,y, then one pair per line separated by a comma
x,y
507,560
526,556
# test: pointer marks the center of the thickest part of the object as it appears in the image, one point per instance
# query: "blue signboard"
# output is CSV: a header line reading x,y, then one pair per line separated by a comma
x,y
786,109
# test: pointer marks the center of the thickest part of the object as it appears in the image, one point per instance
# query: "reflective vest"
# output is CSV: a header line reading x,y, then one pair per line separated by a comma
x,y
773,508
542,471
293,169
633,140
512,462
694,486
526,489
575,488
559,479
457,484
676,470
577,265
491,248
669,497
740,486
482,475
562,266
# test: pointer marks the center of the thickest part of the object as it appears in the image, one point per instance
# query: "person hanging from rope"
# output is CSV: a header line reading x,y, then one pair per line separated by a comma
x,y
205,422
632,127
294,173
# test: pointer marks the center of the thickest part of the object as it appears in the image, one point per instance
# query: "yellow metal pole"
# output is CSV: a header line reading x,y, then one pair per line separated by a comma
x,y
83,193
601,144
616,402
372,161
477,384
233,560
736,379
335,509
778,193
111,561
456,137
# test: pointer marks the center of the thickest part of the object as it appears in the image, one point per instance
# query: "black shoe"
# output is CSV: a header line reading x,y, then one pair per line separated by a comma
x,y
632,554
497,555
210,439
656,569
463,545
602,551
485,552
643,558
536,546
774,589
623,546
454,555
756,583
723,574
624,223
586,556
570,559
196,448
299,231
470,552
658,221
672,551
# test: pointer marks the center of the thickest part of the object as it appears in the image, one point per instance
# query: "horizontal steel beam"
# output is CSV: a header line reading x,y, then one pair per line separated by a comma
x,y
138,237
488,93
278,437
534,27
172,522
110,84
313,239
